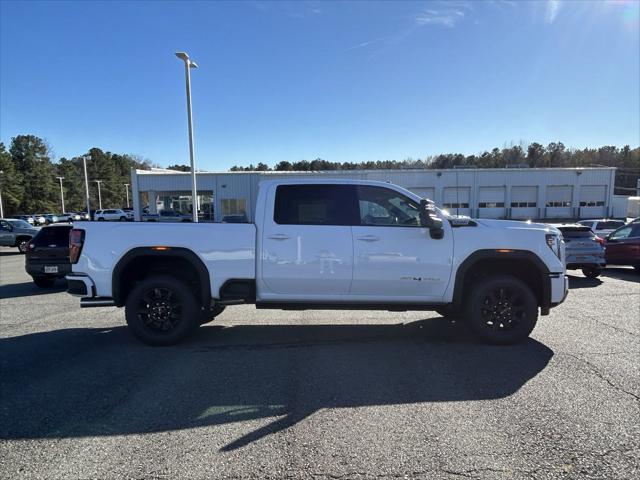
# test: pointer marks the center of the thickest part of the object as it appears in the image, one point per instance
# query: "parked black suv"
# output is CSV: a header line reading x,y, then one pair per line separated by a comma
x,y
47,258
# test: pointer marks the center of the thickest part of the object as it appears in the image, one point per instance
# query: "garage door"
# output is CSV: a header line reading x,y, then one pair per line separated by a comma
x,y
425,192
524,202
491,202
593,201
558,202
457,200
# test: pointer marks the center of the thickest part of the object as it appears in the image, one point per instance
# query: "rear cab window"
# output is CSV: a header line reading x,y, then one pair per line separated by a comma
x,y
58,236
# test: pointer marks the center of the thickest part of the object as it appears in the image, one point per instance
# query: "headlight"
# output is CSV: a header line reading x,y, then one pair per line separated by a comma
x,y
554,243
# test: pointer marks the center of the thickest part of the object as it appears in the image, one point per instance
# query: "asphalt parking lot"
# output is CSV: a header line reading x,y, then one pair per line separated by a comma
x,y
271,394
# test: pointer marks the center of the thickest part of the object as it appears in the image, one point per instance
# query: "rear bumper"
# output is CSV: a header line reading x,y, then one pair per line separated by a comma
x,y
37,270
80,286
582,260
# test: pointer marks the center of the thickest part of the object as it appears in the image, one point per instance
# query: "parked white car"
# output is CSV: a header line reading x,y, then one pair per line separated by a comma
x,y
324,244
112,214
603,226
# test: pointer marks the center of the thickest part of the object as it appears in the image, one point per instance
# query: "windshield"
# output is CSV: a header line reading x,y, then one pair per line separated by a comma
x,y
19,223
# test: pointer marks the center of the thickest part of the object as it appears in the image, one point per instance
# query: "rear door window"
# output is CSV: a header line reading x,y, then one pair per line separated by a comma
x,y
315,205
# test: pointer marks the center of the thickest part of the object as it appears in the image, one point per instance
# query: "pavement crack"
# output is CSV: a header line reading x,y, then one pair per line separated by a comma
x,y
602,376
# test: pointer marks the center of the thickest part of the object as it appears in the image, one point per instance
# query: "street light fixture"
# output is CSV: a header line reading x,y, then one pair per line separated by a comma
x,y
61,193
99,195
86,185
188,65
126,189
1,209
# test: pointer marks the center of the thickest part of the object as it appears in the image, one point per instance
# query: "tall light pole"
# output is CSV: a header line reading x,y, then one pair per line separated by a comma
x,y
99,195
188,65
61,193
126,189
86,185
1,209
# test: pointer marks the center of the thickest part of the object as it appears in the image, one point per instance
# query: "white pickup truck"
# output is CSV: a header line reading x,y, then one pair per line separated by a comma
x,y
323,244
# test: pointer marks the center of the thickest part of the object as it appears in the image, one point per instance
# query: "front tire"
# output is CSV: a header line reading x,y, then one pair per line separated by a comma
x,y
162,310
591,272
100,219
123,219
501,310
44,282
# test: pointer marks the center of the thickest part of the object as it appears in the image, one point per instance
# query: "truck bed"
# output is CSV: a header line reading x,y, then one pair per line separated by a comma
x,y
228,250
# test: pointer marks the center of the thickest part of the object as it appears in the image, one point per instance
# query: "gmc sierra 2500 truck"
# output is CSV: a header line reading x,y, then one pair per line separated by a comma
x,y
323,244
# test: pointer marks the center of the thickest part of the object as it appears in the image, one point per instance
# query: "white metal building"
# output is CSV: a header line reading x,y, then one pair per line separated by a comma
x,y
514,193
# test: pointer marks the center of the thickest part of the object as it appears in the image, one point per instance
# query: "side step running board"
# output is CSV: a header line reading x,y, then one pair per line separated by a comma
x,y
96,302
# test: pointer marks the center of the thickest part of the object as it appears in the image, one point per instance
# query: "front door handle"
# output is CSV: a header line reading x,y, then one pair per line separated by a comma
x,y
368,238
279,236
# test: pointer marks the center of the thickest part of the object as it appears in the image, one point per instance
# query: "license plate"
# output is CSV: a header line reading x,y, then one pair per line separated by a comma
x,y
50,269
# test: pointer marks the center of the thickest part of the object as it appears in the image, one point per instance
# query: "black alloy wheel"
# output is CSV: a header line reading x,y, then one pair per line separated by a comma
x,y
162,310
502,309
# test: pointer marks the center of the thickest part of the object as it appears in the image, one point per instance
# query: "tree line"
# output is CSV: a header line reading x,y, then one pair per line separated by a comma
x,y
555,154
29,184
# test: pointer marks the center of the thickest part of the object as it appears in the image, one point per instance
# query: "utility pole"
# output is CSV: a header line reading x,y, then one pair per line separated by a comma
x,y
86,185
126,189
99,195
61,193
1,209
188,65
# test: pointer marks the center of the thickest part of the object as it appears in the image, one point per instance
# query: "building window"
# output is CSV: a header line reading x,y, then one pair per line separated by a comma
x,y
455,205
558,204
233,206
592,203
523,204
491,205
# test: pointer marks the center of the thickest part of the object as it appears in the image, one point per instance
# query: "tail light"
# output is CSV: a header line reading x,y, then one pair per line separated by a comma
x,y
600,240
76,240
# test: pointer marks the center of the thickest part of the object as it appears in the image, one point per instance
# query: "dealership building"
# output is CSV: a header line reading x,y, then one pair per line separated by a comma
x,y
510,193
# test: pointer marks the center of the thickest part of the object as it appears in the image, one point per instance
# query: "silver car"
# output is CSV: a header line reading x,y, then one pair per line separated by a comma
x,y
584,250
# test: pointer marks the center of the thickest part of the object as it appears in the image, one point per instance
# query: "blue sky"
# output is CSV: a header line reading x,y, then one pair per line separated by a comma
x,y
337,80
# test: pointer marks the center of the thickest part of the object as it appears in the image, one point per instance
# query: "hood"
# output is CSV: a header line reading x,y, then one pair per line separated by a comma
x,y
516,225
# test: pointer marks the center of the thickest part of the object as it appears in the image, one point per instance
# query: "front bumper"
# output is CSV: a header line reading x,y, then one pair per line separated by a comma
x,y
559,288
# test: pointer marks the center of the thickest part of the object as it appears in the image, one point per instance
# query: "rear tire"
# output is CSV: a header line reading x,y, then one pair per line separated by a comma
x,y
501,310
44,282
162,310
592,272
23,245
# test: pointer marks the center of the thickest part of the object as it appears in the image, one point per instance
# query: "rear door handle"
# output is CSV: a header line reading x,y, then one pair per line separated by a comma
x,y
279,236
368,238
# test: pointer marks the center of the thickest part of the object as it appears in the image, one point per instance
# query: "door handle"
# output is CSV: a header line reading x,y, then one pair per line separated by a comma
x,y
368,238
278,236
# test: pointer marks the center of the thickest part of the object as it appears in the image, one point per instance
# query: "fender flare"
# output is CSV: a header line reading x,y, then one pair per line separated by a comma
x,y
184,253
480,255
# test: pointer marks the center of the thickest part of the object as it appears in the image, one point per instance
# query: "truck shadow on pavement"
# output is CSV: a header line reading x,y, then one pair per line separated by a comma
x,y
97,381
29,289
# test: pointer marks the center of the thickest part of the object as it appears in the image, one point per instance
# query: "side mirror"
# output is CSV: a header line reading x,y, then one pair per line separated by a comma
x,y
431,221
